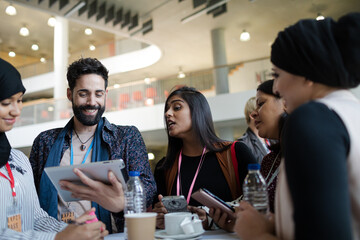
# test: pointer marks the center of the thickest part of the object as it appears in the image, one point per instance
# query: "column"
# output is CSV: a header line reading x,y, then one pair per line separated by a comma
x,y
221,73
226,133
219,59
61,46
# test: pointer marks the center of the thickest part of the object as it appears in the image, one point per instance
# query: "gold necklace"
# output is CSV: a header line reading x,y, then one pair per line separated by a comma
x,y
83,146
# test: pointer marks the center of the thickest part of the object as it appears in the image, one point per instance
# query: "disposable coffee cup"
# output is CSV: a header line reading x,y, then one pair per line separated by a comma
x,y
141,226
173,221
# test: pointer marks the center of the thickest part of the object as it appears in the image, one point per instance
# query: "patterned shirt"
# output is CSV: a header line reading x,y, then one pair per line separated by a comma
x,y
35,222
269,167
123,142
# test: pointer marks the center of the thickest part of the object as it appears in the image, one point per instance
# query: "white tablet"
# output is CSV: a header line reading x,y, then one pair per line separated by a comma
x,y
94,170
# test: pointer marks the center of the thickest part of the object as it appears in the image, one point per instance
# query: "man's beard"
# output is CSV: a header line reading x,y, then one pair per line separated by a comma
x,y
86,119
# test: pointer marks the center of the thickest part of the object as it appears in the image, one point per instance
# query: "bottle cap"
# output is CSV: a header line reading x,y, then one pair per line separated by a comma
x,y
134,173
253,166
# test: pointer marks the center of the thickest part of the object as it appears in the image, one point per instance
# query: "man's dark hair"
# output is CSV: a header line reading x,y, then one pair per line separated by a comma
x,y
86,66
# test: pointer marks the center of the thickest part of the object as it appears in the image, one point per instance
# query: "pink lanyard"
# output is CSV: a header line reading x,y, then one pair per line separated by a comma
x,y
193,181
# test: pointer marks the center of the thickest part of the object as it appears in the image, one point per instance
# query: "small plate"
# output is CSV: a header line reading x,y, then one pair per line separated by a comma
x,y
163,234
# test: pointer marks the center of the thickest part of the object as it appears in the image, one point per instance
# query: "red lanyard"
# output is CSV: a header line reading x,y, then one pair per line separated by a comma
x,y
11,179
196,174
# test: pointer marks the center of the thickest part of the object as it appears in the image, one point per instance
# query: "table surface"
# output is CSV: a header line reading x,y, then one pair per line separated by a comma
x,y
215,234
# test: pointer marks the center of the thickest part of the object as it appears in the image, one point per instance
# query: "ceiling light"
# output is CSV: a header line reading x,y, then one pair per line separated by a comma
x,y
12,54
244,36
151,156
116,85
51,22
43,60
181,74
88,31
92,47
24,31
320,17
149,102
10,10
147,80
34,47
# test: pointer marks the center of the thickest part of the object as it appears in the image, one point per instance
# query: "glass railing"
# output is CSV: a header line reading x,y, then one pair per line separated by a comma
x,y
121,97
140,94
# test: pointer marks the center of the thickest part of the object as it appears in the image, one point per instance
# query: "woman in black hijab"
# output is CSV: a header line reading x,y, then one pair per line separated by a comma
x,y
318,191
20,212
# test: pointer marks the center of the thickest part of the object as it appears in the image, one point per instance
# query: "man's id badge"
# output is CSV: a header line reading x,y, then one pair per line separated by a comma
x,y
67,217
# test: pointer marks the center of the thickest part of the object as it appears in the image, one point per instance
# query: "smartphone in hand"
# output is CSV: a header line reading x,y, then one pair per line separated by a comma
x,y
175,203
210,200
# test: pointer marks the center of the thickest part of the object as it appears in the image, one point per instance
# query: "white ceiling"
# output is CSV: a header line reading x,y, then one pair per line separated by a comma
x,y
187,45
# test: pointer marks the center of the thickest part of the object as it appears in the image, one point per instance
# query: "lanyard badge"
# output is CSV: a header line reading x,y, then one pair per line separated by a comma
x,y
66,213
13,211
67,217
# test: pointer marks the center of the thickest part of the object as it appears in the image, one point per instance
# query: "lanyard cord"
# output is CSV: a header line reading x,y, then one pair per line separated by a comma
x,y
11,179
72,153
194,179
272,166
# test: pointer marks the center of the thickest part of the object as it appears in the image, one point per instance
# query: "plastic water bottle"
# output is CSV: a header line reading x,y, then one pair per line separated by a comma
x,y
135,198
255,189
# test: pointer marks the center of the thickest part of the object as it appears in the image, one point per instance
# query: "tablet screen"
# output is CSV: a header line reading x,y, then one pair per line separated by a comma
x,y
94,170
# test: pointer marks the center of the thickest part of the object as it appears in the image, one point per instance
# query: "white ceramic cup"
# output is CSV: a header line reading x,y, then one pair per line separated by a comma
x,y
141,226
173,221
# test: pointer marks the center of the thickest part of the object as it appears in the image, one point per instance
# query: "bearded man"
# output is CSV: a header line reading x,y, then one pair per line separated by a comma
x,y
89,137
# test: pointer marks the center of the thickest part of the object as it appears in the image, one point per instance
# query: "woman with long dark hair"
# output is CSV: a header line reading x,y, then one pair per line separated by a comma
x,y
196,157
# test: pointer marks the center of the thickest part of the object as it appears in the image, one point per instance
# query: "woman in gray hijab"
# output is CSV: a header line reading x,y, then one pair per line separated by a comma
x,y
20,212
318,190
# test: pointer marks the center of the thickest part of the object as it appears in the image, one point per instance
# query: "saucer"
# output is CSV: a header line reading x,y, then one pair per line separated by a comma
x,y
163,234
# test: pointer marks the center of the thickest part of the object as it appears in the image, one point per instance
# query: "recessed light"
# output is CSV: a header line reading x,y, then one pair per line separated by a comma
x,y
88,31
10,10
151,156
51,22
12,54
43,60
92,47
34,47
320,17
149,102
24,31
244,36
181,74
147,80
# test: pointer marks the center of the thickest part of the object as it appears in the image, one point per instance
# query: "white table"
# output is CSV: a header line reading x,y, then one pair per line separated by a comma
x,y
215,234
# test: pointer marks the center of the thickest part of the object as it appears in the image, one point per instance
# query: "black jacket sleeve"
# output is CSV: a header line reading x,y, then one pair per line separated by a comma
x,y
316,145
244,157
